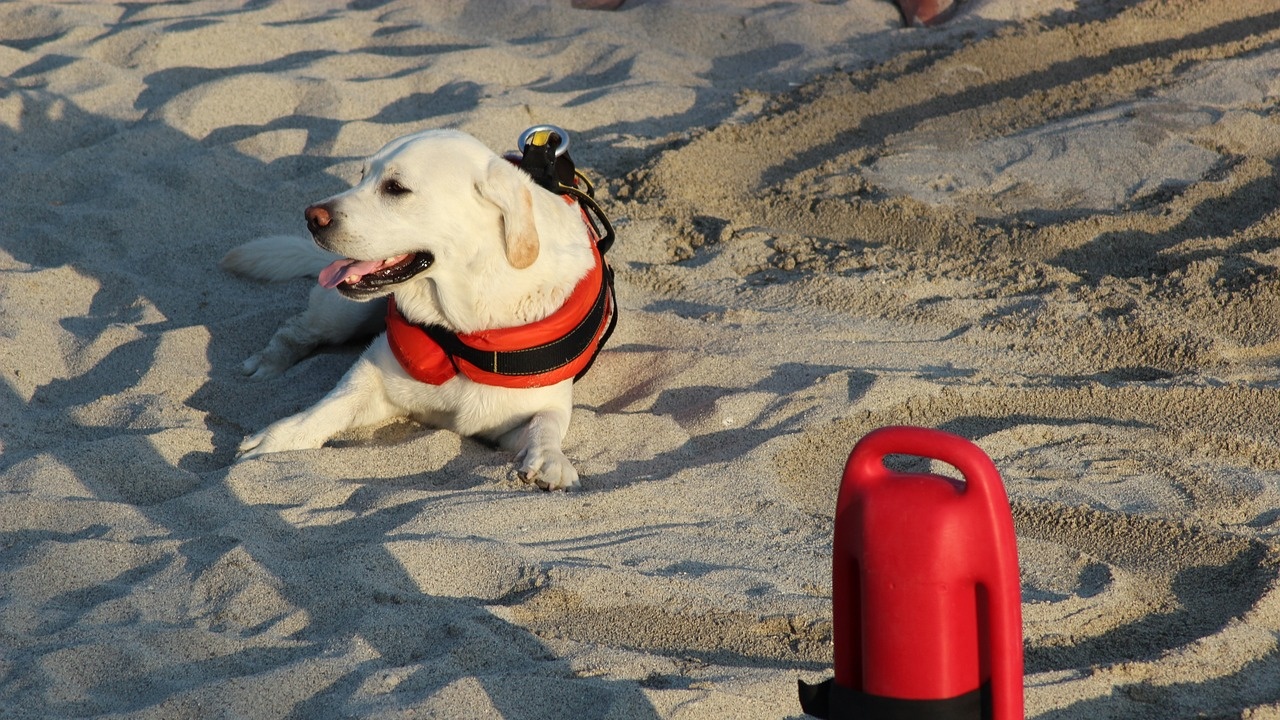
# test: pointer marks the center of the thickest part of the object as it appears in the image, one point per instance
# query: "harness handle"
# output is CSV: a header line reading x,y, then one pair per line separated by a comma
x,y
545,157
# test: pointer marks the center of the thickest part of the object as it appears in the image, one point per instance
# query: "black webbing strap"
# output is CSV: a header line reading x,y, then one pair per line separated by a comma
x,y
599,221
830,701
542,358
539,160
606,281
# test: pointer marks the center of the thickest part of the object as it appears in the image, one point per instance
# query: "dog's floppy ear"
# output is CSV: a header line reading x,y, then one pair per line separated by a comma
x,y
504,186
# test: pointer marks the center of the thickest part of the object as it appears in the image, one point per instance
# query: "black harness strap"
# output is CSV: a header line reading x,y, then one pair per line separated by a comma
x,y
542,358
540,161
606,281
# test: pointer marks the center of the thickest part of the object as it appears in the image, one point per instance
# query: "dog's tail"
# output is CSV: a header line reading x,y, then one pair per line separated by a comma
x,y
276,257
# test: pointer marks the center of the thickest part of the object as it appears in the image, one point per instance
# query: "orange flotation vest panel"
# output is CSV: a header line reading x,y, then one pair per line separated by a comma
x,y
560,346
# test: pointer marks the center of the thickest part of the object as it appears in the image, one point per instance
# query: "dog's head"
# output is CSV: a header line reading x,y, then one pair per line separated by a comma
x,y
435,199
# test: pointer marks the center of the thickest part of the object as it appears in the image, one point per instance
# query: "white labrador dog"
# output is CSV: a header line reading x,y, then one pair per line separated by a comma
x,y
467,245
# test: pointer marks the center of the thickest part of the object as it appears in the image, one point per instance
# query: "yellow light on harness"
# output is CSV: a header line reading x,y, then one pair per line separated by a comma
x,y
540,137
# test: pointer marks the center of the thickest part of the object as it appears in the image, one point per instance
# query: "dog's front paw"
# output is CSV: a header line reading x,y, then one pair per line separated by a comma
x,y
548,469
261,366
279,437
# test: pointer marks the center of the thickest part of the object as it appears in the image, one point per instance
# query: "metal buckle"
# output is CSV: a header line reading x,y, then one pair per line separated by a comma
x,y
527,135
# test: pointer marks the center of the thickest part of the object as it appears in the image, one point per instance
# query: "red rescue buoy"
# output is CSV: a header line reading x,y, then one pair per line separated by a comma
x,y
927,615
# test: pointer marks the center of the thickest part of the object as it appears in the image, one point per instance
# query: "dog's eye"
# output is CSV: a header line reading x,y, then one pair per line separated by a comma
x,y
394,188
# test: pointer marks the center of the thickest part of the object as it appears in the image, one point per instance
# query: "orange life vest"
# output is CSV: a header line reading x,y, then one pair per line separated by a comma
x,y
560,346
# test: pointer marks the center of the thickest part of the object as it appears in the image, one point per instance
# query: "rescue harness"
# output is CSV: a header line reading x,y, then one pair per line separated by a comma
x,y
562,345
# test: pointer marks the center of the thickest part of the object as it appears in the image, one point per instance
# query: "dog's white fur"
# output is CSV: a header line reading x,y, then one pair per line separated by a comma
x,y
507,253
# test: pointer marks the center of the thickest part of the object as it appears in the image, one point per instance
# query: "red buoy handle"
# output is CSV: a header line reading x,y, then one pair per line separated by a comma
x,y
866,468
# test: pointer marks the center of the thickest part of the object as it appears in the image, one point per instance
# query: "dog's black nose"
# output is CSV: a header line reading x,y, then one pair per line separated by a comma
x,y
318,217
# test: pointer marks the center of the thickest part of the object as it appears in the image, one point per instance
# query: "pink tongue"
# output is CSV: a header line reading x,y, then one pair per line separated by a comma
x,y
352,270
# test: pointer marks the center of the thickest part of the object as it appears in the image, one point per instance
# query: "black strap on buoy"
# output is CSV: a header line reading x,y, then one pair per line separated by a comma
x,y
830,701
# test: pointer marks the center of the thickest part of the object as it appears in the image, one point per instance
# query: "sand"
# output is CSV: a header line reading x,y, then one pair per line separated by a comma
x,y
1048,226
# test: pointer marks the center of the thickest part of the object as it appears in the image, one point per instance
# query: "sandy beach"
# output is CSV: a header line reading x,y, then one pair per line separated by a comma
x,y
1048,226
